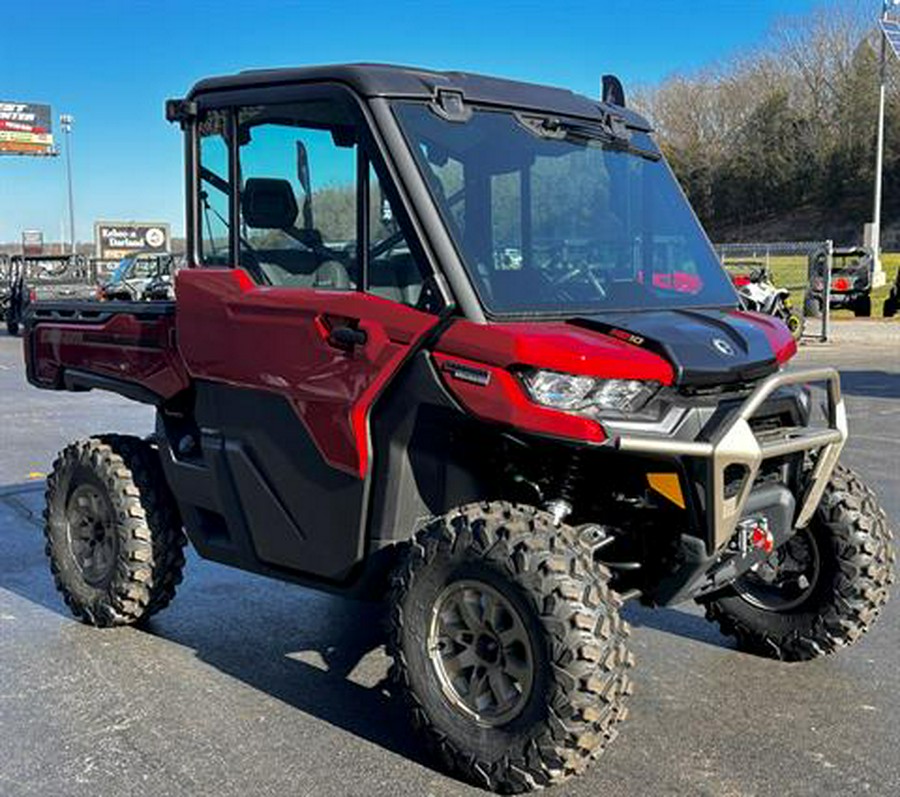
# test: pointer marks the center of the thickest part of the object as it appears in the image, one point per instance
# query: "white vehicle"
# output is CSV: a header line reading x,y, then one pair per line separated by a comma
x,y
760,294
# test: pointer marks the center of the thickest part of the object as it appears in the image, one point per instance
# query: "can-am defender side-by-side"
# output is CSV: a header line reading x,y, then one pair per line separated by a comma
x,y
462,342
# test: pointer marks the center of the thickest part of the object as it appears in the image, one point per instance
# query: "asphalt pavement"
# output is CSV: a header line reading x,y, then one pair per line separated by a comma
x,y
246,686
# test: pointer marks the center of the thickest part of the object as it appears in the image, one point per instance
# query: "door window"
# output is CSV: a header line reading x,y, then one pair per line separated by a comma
x,y
298,210
302,173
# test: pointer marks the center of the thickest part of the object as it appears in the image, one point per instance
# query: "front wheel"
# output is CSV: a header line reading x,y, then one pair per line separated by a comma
x,y
508,647
795,325
821,590
793,321
12,328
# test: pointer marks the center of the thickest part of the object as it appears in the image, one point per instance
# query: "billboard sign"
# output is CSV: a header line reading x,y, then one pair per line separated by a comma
x,y
25,129
32,242
114,240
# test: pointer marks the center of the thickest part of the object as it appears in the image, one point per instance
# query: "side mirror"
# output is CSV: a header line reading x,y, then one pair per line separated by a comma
x,y
302,167
613,93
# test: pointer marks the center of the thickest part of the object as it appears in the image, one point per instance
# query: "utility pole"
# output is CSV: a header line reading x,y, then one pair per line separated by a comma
x,y
65,122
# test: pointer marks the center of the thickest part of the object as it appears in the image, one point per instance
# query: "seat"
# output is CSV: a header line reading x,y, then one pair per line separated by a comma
x,y
396,278
270,204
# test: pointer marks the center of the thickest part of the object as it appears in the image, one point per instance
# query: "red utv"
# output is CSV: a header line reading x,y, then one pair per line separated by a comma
x,y
460,342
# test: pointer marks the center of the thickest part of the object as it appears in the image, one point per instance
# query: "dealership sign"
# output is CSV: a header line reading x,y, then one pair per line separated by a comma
x,y
117,239
25,129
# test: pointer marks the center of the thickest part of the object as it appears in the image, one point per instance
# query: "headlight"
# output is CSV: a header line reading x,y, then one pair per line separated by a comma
x,y
588,394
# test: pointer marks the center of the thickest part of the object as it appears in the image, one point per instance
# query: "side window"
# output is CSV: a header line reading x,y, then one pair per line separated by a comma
x,y
396,270
298,195
214,187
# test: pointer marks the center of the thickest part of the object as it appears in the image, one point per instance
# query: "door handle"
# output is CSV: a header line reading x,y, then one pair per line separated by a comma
x,y
347,337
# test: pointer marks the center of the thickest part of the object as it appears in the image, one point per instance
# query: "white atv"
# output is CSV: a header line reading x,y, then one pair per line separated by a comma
x,y
759,293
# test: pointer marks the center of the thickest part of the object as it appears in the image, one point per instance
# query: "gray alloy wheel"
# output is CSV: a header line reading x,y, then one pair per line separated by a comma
x,y
481,652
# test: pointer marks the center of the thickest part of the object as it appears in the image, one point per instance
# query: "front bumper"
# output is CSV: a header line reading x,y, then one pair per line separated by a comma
x,y
734,443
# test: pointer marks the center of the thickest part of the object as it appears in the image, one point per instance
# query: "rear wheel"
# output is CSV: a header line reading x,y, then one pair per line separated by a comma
x,y
812,306
823,589
12,327
863,307
113,533
508,647
890,305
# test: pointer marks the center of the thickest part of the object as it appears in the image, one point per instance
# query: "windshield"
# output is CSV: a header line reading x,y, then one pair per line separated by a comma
x,y
559,217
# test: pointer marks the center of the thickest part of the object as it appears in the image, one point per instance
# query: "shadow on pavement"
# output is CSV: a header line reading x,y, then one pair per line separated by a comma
x,y
676,622
317,653
23,567
308,650
873,384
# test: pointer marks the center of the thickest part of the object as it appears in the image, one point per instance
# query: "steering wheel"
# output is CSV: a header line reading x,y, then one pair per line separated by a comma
x,y
587,274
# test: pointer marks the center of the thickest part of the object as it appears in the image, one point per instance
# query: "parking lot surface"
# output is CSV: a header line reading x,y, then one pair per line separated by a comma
x,y
246,686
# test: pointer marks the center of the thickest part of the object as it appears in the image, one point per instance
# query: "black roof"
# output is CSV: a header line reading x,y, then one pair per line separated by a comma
x,y
384,80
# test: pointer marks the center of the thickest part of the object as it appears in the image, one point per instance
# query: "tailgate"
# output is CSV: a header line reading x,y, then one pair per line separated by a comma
x,y
125,347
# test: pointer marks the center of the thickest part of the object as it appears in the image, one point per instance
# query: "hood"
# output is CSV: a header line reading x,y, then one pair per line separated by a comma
x,y
704,347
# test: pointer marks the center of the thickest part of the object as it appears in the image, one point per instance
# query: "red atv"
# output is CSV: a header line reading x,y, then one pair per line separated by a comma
x,y
460,342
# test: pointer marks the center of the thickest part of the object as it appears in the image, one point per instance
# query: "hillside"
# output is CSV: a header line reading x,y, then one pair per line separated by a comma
x,y
779,144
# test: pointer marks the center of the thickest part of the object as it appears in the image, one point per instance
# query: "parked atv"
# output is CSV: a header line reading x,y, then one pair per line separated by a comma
x,y
851,282
758,293
505,448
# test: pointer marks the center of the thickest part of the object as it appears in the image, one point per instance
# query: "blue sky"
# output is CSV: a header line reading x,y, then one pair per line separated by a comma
x,y
112,65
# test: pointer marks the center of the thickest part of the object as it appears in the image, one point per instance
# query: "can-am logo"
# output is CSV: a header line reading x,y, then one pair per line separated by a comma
x,y
723,347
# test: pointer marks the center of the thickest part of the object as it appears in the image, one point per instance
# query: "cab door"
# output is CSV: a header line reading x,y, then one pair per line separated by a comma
x,y
289,344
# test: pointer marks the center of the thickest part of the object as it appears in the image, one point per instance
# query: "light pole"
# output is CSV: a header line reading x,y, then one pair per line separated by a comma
x,y
65,122
875,237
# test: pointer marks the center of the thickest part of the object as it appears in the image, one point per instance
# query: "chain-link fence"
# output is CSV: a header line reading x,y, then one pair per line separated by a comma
x,y
790,279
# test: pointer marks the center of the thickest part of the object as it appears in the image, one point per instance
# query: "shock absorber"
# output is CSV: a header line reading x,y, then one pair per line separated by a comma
x,y
561,506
